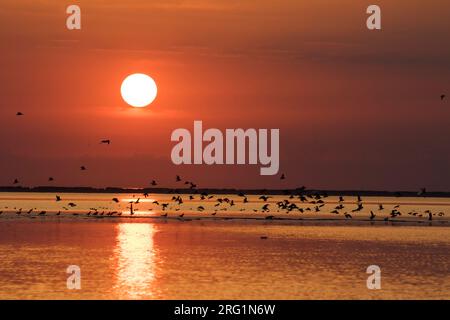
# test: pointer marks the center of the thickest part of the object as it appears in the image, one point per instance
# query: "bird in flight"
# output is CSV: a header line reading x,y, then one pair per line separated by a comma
x,y
50,179
19,114
443,97
16,181
58,198
82,168
282,176
105,141
178,178
153,183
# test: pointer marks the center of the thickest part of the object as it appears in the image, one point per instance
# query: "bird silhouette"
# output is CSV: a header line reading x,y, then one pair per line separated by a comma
x,y
282,176
178,178
82,168
19,114
153,183
50,179
443,97
16,181
115,200
58,198
372,215
105,141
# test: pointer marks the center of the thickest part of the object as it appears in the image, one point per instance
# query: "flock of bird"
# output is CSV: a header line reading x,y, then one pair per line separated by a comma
x,y
298,201
301,201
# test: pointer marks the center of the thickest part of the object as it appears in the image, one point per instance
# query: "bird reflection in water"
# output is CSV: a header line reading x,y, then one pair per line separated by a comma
x,y
135,258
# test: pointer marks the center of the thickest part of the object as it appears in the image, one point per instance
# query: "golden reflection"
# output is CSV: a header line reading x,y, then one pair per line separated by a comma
x,y
135,256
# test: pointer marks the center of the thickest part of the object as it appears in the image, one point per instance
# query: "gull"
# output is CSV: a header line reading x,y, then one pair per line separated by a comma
x,y
372,215
153,183
181,215
442,97
16,181
115,200
200,208
422,192
347,216
264,198
82,168
380,207
58,198
263,237
265,207
430,216
164,215
42,213
71,204
341,199
245,200
282,176
50,179
19,114
269,217
105,141
59,212
178,178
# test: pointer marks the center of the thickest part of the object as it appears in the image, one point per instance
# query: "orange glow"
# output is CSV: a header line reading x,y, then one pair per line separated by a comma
x,y
135,255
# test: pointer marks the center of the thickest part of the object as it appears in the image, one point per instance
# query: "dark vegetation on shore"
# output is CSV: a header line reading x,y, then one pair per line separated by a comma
x,y
159,190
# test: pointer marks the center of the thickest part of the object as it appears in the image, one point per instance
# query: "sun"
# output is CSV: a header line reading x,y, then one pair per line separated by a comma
x,y
138,90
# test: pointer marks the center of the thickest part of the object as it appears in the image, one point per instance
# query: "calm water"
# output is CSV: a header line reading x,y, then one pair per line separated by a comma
x,y
158,258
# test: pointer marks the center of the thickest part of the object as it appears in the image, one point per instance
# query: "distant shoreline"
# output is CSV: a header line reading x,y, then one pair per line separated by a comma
x,y
298,191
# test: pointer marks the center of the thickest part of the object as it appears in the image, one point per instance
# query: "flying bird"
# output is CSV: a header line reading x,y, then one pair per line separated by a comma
x,y
443,96
58,198
19,114
50,179
422,192
282,176
115,200
16,181
105,141
178,178
82,168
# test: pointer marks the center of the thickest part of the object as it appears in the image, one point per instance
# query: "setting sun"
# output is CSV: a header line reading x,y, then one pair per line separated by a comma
x,y
138,90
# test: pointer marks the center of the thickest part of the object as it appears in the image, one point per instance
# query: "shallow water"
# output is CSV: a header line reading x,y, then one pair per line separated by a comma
x,y
145,258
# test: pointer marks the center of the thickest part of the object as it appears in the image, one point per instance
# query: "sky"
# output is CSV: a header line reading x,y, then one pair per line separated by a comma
x,y
356,109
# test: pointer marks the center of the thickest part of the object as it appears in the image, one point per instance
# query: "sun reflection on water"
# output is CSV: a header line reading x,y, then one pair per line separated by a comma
x,y
135,256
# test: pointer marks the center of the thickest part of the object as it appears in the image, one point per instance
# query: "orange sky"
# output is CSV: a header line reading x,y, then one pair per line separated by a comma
x,y
357,109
